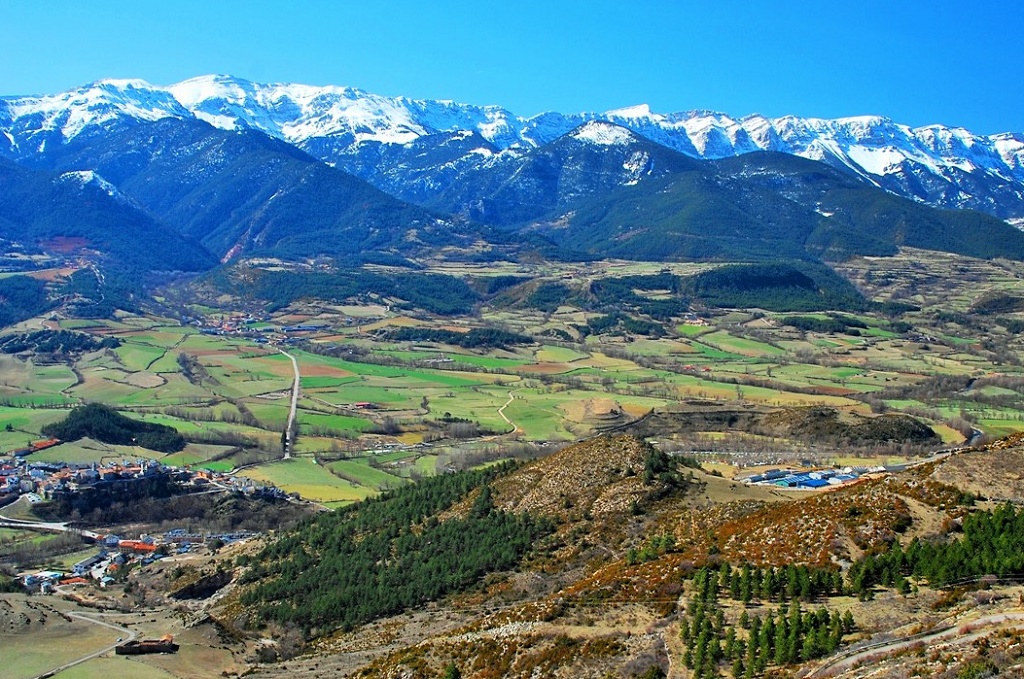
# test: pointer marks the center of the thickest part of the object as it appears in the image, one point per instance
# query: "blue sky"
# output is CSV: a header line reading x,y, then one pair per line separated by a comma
x,y
916,61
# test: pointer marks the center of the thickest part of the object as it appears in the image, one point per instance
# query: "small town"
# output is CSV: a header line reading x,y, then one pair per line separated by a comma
x,y
117,555
45,480
37,482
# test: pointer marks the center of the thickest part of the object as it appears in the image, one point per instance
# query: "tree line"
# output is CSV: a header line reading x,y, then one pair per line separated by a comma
x,y
55,342
476,338
387,554
22,297
105,424
992,544
747,646
435,293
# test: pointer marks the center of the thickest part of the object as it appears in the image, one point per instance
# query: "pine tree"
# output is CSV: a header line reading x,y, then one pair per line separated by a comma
x,y
729,646
751,663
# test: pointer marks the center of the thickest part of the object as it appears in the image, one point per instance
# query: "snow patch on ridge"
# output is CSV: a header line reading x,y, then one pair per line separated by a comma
x,y
638,111
876,161
603,134
86,177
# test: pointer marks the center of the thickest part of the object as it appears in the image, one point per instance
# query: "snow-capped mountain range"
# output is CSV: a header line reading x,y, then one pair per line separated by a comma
x,y
394,142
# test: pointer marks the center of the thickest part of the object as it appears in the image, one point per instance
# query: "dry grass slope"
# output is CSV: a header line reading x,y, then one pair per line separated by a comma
x,y
603,475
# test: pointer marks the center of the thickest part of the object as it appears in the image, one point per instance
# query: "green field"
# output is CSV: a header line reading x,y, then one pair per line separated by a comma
x,y
314,421
135,356
103,668
325,382
487,361
360,472
553,354
308,479
740,345
195,454
58,643
85,451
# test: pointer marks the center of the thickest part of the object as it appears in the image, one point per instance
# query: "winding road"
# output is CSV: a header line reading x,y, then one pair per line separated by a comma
x,y
501,411
126,635
964,633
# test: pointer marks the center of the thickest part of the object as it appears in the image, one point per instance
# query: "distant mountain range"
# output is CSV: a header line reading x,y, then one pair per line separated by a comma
x,y
943,166
294,170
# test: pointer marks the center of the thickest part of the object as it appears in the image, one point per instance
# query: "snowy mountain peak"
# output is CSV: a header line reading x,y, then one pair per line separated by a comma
x,y
97,104
122,83
603,134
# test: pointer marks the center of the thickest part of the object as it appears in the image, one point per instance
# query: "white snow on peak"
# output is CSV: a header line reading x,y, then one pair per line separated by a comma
x,y
638,111
878,161
96,104
123,83
603,134
85,177
194,91
347,118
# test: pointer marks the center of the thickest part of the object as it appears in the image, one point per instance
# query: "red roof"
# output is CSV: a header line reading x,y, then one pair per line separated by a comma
x,y
137,545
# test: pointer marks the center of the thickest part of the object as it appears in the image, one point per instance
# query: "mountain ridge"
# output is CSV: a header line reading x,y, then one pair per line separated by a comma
x,y
945,166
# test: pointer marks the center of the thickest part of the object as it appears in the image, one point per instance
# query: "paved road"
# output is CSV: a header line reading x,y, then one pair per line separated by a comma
x,y
295,404
6,522
125,635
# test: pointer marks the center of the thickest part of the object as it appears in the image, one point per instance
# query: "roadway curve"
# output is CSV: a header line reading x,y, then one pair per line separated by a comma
x,y
501,411
126,635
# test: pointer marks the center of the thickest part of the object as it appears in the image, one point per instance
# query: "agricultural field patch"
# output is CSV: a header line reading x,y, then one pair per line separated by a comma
x,y
364,392
548,369
325,381
220,466
196,453
740,345
713,353
145,380
103,668
55,642
104,386
553,354
308,479
14,398
692,330
487,361
87,451
49,379
136,356
312,422
360,472
25,424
